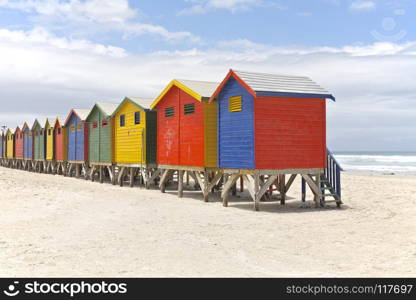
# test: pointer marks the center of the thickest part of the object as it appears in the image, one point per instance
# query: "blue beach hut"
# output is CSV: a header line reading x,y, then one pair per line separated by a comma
x,y
77,138
28,141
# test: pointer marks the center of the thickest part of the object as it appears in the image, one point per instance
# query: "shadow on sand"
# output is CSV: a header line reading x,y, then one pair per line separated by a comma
x,y
243,201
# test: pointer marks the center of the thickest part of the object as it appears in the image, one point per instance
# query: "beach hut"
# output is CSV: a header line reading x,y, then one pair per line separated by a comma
x,y
135,140
77,142
270,126
39,145
9,148
187,131
49,145
100,139
60,140
27,146
18,147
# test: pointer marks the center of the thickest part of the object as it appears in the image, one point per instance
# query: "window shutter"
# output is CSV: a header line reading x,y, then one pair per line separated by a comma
x,y
122,120
235,103
169,112
137,117
189,108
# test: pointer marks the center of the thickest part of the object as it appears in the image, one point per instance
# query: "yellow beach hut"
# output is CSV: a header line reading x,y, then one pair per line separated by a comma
x,y
9,144
135,139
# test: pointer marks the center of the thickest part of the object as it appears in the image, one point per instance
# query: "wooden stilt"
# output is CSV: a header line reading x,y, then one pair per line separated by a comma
x,y
282,182
121,176
315,189
303,190
101,174
92,173
131,177
167,174
206,189
180,184
113,175
227,186
77,171
241,184
256,192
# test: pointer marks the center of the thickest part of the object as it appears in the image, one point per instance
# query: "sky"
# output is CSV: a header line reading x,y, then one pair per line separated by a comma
x,y
56,55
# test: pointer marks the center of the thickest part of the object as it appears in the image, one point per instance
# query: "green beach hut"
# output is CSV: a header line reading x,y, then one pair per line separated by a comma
x,y
100,140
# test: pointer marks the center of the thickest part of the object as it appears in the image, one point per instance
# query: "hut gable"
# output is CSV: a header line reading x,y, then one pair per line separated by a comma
x,y
199,90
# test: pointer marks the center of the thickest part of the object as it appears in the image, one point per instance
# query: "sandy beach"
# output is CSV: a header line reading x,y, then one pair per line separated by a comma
x,y
55,226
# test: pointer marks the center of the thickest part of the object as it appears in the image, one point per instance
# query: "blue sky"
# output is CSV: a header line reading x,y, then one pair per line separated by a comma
x,y
55,55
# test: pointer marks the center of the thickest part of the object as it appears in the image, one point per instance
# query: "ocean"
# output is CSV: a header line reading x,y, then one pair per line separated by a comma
x,y
402,163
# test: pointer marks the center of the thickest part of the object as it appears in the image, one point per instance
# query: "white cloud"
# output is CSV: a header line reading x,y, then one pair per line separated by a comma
x,y
362,5
234,6
40,36
110,15
44,75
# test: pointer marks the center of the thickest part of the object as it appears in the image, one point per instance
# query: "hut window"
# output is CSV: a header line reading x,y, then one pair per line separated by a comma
x,y
41,132
59,131
137,117
169,112
104,123
122,120
72,128
234,103
189,108
49,132
79,127
94,124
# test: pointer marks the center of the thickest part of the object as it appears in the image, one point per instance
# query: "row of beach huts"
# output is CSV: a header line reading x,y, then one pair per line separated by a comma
x,y
253,130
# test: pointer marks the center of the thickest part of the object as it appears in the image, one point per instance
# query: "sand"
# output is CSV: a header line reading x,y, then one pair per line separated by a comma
x,y
52,226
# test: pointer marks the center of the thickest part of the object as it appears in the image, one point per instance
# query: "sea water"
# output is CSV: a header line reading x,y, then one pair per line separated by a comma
x,y
403,163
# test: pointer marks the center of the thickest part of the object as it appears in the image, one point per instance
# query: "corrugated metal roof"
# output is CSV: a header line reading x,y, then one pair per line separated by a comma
x,y
143,102
203,88
82,113
262,82
107,108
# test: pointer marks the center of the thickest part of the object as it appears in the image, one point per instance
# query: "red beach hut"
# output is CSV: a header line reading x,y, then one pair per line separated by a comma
x,y
270,125
18,138
186,124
